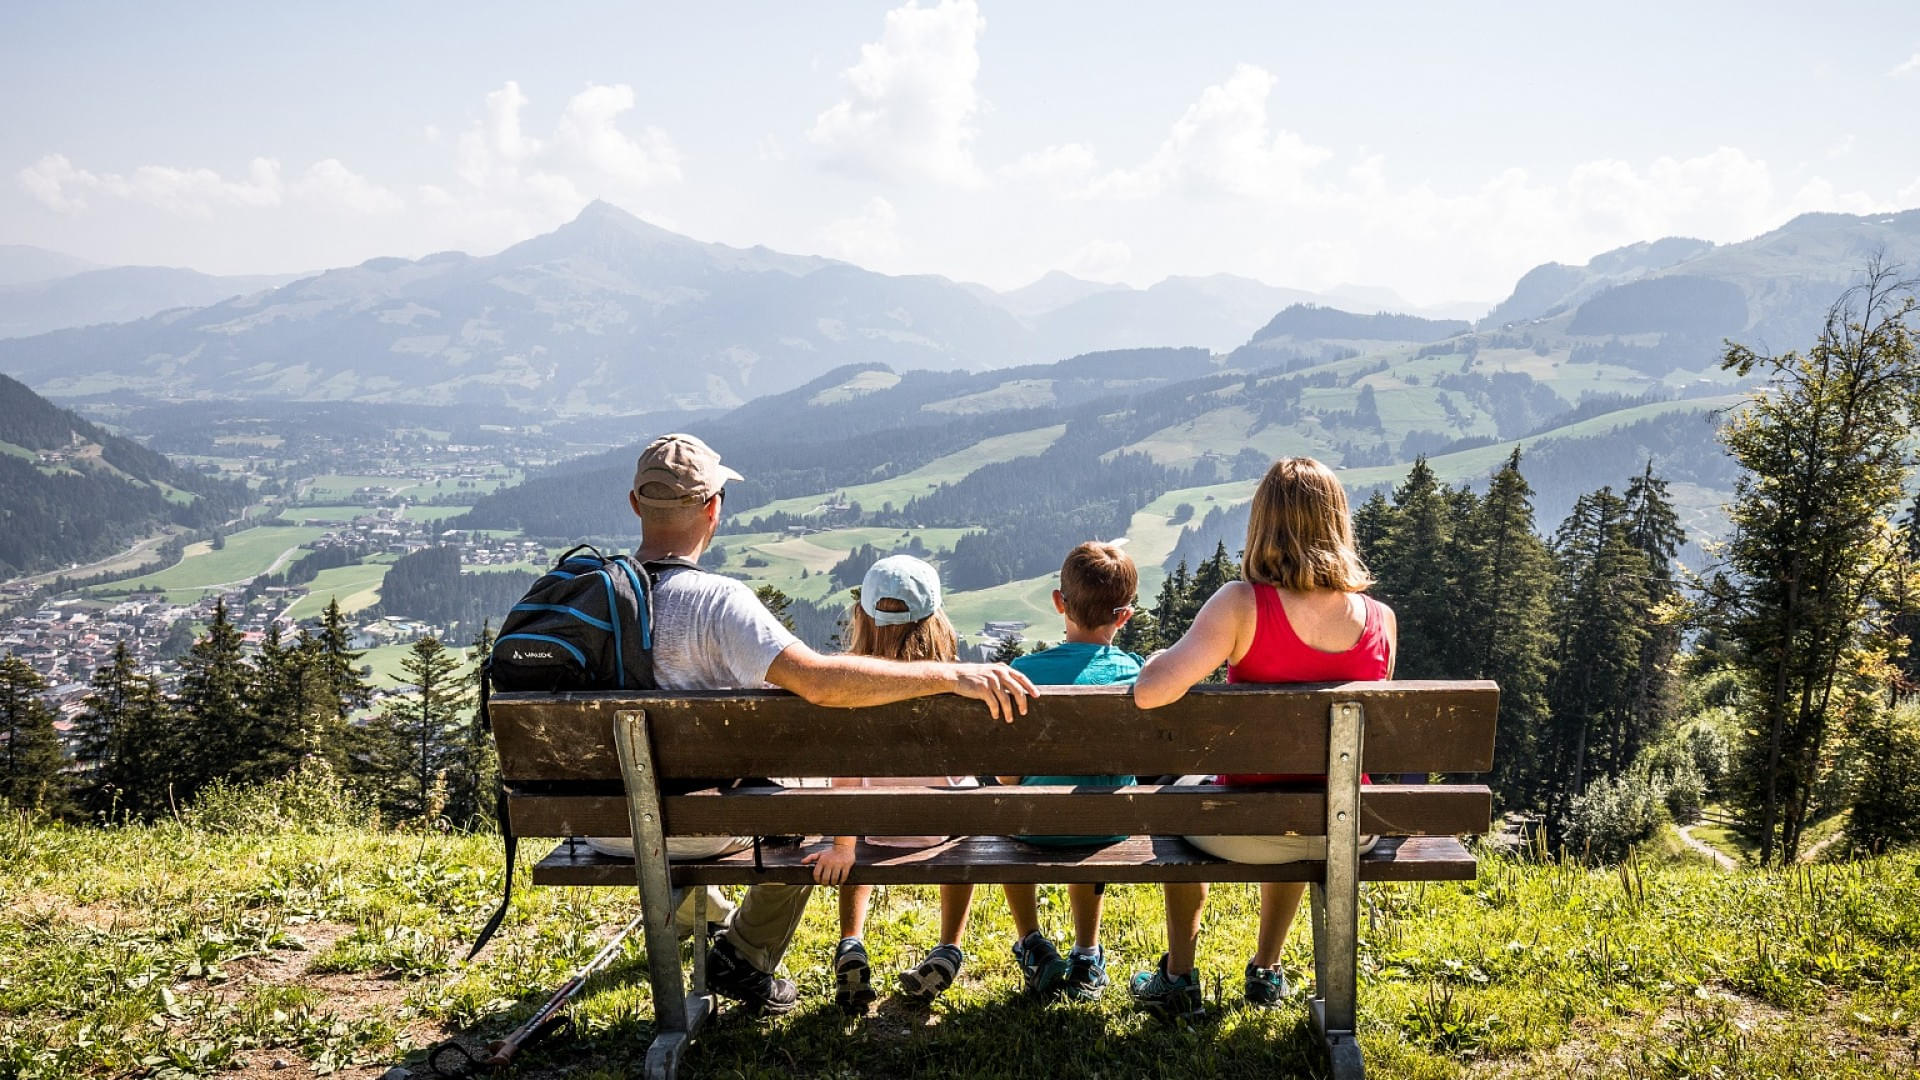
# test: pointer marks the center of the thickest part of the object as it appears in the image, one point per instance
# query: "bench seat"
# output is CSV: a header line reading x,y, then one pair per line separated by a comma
x,y
995,859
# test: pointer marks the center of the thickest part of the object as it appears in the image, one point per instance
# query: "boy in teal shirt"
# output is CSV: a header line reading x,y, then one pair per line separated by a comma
x,y
1097,585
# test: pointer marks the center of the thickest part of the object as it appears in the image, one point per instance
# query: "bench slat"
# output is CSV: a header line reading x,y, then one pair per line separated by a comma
x,y
992,859
1148,809
1411,727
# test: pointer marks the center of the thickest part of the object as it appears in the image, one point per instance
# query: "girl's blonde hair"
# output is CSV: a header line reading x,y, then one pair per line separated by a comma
x,y
1300,536
932,638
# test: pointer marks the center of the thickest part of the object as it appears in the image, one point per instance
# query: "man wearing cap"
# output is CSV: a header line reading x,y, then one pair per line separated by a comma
x,y
712,633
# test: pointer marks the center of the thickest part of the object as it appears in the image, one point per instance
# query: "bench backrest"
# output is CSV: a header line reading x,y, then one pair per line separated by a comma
x,y
562,772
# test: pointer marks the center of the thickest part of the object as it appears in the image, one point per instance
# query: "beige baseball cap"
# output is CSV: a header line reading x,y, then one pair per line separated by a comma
x,y
679,470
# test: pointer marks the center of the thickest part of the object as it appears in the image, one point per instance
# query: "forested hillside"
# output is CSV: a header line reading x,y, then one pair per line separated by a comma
x,y
71,492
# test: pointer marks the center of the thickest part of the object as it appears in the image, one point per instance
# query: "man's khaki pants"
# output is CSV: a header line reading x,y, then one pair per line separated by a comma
x,y
760,928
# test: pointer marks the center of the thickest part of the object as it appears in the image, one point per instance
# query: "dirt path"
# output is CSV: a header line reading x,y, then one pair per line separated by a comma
x,y
1720,858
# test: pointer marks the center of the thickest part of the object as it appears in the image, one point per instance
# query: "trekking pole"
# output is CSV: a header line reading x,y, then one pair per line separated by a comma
x,y
451,1059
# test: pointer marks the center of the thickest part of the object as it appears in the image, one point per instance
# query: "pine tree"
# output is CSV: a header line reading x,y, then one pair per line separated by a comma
x,y
1008,650
216,710
1508,611
776,602
1812,567
1654,530
1370,524
1169,621
1412,569
419,737
101,732
1906,602
1210,577
1599,631
32,765
1139,634
339,671
477,778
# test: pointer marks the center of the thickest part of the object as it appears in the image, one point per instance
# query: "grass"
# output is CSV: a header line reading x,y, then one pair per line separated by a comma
x,y
944,470
245,555
169,951
357,587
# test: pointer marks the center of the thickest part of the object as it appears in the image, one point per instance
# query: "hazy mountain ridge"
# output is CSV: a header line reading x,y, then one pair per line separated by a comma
x,y
117,294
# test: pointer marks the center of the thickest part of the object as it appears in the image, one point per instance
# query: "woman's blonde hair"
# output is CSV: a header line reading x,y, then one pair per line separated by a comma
x,y
1300,536
932,638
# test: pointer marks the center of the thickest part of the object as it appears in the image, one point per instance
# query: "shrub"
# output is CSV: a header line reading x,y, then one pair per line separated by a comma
x,y
1611,817
311,799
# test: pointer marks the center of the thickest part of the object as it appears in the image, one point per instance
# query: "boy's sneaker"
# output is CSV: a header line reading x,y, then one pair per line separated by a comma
x,y
1041,965
1172,998
852,977
934,974
729,975
1266,987
1086,974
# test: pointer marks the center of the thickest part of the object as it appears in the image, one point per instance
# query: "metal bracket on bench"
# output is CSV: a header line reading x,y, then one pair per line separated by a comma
x,y
1336,900
675,1018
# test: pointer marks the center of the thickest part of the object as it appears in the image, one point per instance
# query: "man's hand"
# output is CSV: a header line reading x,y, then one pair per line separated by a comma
x,y
830,867
1002,688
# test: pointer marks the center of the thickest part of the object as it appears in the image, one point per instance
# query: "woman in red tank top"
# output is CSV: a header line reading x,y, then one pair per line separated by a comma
x,y
1299,615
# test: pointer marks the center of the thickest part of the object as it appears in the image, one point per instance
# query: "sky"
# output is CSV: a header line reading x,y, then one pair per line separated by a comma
x,y
1439,150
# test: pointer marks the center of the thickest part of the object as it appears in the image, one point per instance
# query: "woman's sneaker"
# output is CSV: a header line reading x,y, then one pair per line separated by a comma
x,y
1266,987
1041,965
852,977
1086,974
1167,996
934,974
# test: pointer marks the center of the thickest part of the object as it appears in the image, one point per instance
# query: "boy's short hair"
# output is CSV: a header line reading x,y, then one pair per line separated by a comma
x,y
1098,580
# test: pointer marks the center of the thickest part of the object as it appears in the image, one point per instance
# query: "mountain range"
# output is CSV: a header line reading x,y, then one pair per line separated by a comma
x,y
606,314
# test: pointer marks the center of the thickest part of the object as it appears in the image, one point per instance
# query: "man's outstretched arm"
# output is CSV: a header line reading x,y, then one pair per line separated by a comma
x,y
846,681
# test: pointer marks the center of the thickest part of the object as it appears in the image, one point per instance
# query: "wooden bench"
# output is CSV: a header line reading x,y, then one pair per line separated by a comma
x,y
595,765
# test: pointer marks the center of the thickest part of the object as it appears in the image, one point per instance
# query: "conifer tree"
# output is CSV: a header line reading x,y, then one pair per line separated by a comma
x,y
1812,567
1211,575
1008,650
1507,609
1370,524
339,673
1169,606
1599,632
1413,573
1139,634
1906,621
420,735
31,762
1654,530
216,709
477,778
103,734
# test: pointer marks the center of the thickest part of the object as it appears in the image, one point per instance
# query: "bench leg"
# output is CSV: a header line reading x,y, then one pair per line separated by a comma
x,y
675,1018
1336,900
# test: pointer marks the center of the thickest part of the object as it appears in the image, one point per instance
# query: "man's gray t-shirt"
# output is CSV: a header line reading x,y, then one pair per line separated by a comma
x,y
711,633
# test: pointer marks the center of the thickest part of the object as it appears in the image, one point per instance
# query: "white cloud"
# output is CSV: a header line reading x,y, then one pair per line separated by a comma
x,y
589,130
1062,168
330,183
1840,147
1223,144
1910,66
869,236
911,101
1101,260
60,185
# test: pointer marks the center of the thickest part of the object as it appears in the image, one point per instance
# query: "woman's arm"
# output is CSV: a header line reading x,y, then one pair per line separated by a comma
x,y
1214,639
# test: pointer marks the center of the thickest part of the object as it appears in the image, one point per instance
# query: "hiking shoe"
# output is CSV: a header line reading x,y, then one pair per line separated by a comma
x,y
1266,987
1041,965
1086,974
730,976
934,974
1160,993
852,977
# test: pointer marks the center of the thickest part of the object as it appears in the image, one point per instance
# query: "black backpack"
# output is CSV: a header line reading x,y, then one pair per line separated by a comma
x,y
587,624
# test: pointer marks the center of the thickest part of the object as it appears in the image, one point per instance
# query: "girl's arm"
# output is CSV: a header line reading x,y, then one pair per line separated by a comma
x,y
831,867
1214,639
